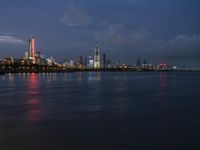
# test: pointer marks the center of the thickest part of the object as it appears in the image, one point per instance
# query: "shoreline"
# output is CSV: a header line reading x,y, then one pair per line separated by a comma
x,y
89,70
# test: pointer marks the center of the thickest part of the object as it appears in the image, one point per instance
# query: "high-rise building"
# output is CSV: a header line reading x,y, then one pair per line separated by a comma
x,y
104,61
37,54
97,64
91,62
86,62
81,60
26,55
138,63
109,63
31,47
144,62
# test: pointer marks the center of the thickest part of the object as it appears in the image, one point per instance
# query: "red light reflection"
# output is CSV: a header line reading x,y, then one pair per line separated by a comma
x,y
33,100
162,89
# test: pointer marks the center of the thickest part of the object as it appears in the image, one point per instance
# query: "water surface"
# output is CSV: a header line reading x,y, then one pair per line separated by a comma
x,y
100,111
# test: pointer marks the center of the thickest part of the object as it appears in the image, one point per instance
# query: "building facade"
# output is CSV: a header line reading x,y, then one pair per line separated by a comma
x,y
104,61
31,48
97,62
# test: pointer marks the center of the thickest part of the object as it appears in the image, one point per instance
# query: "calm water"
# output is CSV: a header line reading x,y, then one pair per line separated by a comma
x,y
100,111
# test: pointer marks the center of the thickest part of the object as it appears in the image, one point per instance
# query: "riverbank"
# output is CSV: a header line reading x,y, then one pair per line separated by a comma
x,y
69,70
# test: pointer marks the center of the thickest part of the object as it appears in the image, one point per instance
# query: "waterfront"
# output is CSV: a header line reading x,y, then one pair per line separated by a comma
x,y
100,110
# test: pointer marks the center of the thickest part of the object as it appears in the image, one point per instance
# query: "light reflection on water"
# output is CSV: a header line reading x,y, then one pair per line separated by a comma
x,y
94,76
121,98
33,100
98,107
162,90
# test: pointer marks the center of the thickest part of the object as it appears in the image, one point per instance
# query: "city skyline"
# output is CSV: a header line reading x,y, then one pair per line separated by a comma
x,y
34,62
126,30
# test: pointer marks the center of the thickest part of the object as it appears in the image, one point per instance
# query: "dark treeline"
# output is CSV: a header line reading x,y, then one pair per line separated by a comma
x,y
35,68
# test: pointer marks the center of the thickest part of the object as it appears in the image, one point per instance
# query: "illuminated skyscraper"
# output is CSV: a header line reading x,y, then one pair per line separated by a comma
x,y
31,47
91,62
26,55
97,57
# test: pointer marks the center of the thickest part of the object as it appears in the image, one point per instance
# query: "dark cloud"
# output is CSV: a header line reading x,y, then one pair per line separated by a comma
x,y
120,35
183,48
142,43
75,15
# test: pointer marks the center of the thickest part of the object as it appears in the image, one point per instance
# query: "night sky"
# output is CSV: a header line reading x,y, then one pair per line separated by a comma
x,y
156,30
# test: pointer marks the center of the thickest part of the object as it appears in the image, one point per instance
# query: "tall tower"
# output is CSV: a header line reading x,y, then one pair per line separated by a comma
x,y
31,47
138,63
97,57
104,61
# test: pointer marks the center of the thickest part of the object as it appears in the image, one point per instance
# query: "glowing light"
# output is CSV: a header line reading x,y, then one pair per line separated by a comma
x,y
33,47
33,100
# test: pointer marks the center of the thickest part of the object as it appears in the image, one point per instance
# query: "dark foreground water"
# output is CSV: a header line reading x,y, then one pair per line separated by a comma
x,y
100,111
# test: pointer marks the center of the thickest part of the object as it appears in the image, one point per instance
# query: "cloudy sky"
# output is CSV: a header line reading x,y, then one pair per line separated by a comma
x,y
156,30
